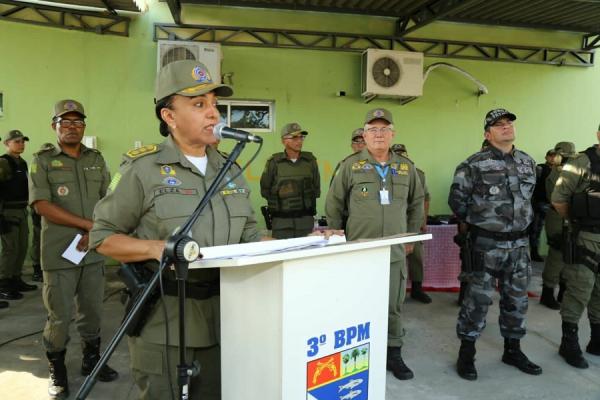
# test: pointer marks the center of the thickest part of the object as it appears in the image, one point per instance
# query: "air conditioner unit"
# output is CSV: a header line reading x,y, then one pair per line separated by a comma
x,y
390,73
208,54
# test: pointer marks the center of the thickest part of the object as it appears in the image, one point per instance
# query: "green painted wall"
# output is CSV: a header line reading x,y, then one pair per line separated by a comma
x,y
114,78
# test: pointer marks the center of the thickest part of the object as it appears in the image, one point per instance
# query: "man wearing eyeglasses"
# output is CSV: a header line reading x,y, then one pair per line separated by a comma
x,y
491,196
291,185
66,182
14,230
381,194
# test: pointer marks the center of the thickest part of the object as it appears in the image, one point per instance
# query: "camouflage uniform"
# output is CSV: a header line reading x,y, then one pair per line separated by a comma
x,y
491,191
582,277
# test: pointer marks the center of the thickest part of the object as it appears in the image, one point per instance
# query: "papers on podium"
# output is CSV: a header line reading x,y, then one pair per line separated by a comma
x,y
267,247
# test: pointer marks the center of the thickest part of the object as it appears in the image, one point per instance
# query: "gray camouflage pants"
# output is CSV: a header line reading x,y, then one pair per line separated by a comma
x,y
511,268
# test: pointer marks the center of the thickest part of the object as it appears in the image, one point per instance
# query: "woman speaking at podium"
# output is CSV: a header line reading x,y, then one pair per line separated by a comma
x,y
155,191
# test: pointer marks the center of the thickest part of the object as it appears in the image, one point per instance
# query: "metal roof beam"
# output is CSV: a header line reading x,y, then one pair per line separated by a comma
x,y
351,42
175,8
428,13
591,41
65,18
297,6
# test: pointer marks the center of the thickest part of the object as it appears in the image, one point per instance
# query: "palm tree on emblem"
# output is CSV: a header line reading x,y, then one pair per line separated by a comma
x,y
354,355
345,360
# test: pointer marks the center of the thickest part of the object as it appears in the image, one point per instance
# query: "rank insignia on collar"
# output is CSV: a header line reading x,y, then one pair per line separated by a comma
x,y
167,170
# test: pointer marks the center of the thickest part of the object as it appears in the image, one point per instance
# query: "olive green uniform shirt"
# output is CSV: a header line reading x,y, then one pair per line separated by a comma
x,y
356,188
74,184
154,193
575,178
426,196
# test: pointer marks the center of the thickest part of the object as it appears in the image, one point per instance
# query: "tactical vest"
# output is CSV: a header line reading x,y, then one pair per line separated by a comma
x,y
293,194
585,206
14,192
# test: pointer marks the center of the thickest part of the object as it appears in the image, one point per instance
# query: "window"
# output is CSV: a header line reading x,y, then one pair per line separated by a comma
x,y
248,115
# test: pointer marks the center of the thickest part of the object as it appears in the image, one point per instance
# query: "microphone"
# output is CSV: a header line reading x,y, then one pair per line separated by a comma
x,y
222,131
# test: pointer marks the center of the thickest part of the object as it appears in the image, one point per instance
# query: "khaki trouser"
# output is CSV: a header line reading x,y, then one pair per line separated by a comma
x,y
14,243
287,228
583,285
553,268
82,287
151,371
415,263
553,264
396,300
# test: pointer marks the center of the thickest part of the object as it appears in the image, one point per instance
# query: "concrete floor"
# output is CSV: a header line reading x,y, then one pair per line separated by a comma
x,y
430,350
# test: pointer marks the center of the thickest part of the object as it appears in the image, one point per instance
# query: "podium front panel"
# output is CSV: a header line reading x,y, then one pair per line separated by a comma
x,y
306,328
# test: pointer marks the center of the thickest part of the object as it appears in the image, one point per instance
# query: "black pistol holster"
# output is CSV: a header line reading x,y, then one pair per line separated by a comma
x,y
136,277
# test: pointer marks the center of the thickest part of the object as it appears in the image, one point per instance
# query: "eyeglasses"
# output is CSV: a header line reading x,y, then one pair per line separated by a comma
x,y
501,124
297,137
382,130
66,123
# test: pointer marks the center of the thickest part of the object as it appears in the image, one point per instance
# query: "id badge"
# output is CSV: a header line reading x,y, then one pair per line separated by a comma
x,y
384,197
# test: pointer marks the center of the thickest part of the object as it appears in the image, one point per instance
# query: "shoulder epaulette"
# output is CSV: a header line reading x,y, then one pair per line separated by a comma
x,y
134,154
45,149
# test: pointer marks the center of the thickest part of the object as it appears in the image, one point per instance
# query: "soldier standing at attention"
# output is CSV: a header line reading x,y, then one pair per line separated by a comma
x,y
291,185
576,198
491,196
415,259
14,230
554,264
67,181
381,194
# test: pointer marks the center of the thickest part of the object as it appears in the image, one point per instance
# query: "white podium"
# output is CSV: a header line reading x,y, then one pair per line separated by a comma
x,y
306,324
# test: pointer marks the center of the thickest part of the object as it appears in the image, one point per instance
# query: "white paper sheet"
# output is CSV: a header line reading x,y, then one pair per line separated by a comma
x,y
72,254
266,247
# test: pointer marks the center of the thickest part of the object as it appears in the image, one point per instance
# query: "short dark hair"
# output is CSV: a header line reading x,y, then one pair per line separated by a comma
x,y
166,102
551,153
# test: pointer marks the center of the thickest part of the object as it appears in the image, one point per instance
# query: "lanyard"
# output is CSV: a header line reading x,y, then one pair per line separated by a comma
x,y
382,172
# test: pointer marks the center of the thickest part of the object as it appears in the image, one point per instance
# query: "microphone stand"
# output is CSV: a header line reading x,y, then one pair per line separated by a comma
x,y
180,250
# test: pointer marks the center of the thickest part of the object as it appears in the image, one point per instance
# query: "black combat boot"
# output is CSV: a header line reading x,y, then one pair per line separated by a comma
x,y
417,293
58,387
547,298
562,287
465,365
515,357
91,355
593,346
461,294
535,255
21,286
37,275
8,292
396,364
569,346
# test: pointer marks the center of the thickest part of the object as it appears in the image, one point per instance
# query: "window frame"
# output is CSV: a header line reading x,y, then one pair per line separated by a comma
x,y
250,102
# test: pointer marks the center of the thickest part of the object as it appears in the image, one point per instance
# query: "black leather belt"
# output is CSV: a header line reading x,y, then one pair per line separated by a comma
x,y
193,290
501,236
